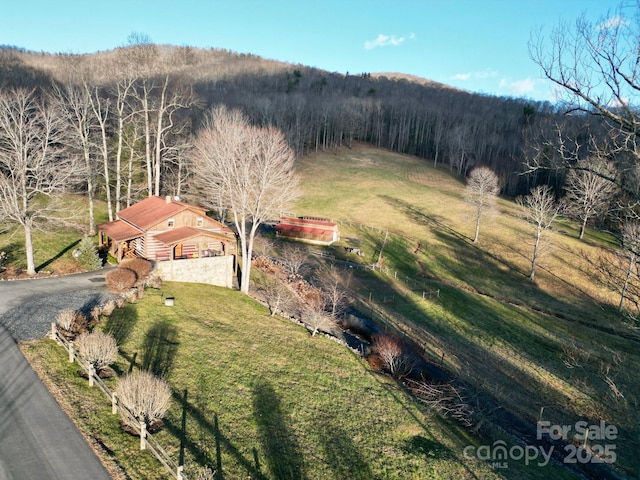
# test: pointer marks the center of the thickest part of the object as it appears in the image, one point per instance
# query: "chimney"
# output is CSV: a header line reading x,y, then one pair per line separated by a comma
x,y
167,199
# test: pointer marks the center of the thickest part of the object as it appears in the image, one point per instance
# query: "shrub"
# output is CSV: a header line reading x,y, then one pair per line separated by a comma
x,y
120,279
66,318
203,473
98,348
80,323
154,281
94,315
145,395
87,255
396,357
141,267
108,308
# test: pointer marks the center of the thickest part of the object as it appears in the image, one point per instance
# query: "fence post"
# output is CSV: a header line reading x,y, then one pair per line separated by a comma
x,y
179,472
92,372
143,435
114,403
53,331
72,355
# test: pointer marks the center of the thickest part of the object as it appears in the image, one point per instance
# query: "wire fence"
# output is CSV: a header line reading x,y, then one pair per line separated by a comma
x,y
147,441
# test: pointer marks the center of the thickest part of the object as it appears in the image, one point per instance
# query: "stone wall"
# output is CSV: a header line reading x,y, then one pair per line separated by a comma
x,y
212,270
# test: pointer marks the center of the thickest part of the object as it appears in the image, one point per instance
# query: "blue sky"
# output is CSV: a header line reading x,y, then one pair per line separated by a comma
x,y
476,45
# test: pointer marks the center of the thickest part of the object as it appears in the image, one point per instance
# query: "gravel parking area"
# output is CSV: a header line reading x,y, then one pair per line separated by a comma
x,y
33,318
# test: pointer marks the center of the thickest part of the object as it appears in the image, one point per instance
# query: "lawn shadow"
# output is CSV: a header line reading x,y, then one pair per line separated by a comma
x,y
278,440
341,452
159,348
121,323
58,255
208,428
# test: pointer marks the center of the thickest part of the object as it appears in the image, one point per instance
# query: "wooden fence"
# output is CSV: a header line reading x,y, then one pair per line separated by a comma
x,y
146,439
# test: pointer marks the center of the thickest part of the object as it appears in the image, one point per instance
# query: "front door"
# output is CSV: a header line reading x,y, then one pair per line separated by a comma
x,y
178,251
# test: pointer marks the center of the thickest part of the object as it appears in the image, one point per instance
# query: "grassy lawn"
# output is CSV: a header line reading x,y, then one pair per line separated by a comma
x,y
558,343
263,399
53,243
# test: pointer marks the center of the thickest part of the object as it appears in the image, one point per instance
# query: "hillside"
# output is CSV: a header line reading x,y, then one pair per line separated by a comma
x,y
556,348
316,109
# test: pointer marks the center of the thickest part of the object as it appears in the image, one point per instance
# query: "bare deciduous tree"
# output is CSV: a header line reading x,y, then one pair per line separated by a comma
x,y
145,395
75,103
541,210
588,190
334,285
33,167
97,348
482,187
595,65
249,168
315,316
631,248
100,107
277,295
294,258
395,356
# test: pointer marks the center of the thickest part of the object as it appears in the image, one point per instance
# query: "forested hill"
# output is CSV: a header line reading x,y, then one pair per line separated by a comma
x,y
316,109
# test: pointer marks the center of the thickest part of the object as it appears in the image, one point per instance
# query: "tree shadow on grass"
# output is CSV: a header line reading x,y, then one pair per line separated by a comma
x,y
208,427
341,453
159,348
57,255
278,441
121,323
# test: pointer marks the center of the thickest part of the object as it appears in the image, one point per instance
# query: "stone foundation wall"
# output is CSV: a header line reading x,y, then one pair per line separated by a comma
x,y
212,270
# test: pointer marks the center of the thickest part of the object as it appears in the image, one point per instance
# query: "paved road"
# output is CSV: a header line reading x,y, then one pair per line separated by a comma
x,y
37,439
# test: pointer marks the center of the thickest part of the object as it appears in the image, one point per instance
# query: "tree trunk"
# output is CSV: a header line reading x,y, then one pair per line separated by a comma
x,y
478,216
90,194
28,246
583,226
534,258
119,162
623,293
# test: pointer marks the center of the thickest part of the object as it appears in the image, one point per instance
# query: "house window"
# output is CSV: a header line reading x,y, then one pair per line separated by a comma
x,y
199,222
170,223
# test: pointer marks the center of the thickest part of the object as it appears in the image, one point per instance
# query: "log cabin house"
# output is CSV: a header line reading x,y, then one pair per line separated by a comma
x,y
161,229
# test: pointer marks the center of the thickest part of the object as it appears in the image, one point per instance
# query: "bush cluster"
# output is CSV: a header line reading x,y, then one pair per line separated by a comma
x,y
396,357
120,280
97,348
145,395
141,267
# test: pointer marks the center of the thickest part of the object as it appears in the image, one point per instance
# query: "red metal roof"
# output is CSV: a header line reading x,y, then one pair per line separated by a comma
x,y
322,232
181,234
152,210
120,231
317,222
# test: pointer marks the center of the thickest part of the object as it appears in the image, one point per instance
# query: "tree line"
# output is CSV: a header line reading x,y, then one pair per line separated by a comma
x,y
120,125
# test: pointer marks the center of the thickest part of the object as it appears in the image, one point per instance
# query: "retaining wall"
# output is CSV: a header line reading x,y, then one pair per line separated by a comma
x,y
212,270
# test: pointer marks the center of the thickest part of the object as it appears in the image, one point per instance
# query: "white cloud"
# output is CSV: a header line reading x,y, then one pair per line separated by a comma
x,y
519,87
487,73
613,22
386,40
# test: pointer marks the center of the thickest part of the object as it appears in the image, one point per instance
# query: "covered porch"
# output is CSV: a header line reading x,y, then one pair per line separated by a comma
x,y
119,238
188,243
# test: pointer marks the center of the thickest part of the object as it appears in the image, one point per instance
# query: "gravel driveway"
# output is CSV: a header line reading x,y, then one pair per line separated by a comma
x,y
37,440
27,307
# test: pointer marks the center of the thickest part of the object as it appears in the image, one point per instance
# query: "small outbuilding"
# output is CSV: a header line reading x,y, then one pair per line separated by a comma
x,y
316,230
